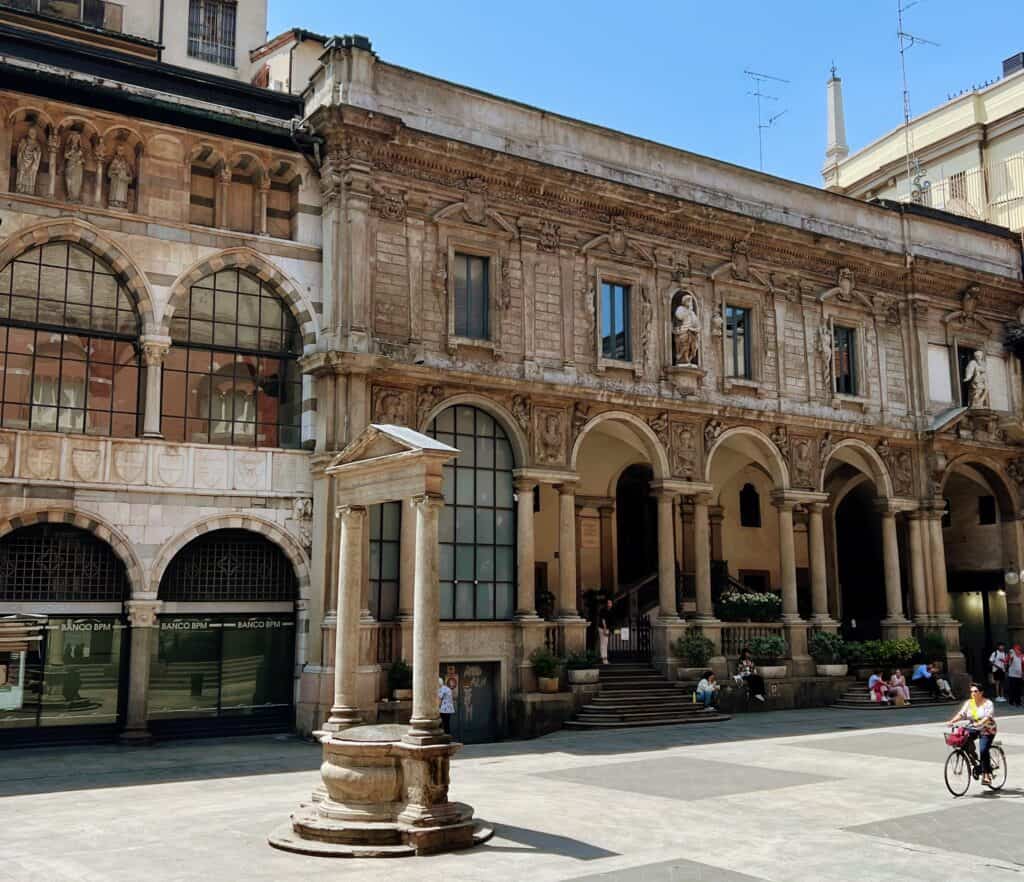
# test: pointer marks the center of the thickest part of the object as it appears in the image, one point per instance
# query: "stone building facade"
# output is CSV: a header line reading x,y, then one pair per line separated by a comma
x,y
665,376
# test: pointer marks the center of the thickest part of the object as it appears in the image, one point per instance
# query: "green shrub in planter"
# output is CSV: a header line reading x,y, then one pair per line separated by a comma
x,y
827,648
399,675
545,663
857,653
900,652
933,646
768,650
694,650
581,661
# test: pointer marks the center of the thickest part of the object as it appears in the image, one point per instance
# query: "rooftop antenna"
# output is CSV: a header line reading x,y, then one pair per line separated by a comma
x,y
919,187
762,124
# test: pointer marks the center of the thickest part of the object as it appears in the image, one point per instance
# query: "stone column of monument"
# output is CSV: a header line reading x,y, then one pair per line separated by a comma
x,y
607,513
142,619
666,556
702,559
263,197
526,606
567,552
52,143
100,158
345,711
945,623
154,351
425,722
918,580
796,627
817,559
895,624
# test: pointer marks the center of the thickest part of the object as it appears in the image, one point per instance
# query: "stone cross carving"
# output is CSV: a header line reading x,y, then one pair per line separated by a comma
x,y
119,173
685,332
976,378
30,154
74,167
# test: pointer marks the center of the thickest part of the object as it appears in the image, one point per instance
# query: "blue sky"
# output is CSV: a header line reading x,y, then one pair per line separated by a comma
x,y
673,71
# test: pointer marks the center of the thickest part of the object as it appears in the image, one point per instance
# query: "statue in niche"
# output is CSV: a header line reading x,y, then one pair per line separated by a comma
x,y
120,176
30,154
825,344
976,378
74,167
685,331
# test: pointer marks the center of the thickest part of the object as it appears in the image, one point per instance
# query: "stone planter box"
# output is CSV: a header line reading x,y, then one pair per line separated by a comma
x,y
402,694
547,684
832,670
773,672
580,676
685,675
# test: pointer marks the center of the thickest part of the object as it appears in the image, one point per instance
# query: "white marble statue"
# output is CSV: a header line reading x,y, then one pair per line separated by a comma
x,y
120,175
30,154
976,378
686,332
74,167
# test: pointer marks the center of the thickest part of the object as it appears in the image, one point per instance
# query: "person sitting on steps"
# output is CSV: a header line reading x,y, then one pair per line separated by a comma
x,y
746,673
878,688
707,691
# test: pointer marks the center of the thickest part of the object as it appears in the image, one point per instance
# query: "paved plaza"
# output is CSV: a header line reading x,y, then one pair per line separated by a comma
x,y
792,796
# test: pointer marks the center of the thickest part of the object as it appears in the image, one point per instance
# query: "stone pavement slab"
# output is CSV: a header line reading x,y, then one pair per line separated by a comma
x,y
922,748
678,870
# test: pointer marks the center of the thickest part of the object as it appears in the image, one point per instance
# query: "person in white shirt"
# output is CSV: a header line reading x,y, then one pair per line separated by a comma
x,y
447,705
998,661
980,716
1014,675
707,691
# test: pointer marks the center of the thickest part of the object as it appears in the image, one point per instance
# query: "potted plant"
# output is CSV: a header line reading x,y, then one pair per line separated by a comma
x,y
400,680
694,650
829,652
749,606
545,668
583,667
767,651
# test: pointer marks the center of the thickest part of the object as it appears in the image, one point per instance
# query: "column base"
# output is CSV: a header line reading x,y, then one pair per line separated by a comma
x,y
342,718
527,616
824,620
426,733
158,436
135,737
896,629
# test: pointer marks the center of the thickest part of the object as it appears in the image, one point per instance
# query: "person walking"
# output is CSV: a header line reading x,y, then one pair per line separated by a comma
x,y
1014,675
444,697
604,629
980,715
998,661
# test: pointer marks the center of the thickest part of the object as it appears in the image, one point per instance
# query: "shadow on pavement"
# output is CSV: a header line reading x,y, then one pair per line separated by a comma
x,y
546,843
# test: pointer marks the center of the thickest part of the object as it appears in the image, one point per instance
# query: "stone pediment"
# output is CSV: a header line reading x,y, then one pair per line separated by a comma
x,y
378,441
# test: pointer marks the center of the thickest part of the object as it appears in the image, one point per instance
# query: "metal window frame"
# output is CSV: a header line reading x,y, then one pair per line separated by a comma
x,y
481,296
845,341
376,579
733,345
213,31
620,293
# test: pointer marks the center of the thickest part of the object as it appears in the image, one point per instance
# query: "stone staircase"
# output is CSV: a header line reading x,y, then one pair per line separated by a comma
x,y
858,698
633,695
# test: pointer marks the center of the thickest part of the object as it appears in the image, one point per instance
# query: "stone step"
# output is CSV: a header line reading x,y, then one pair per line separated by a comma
x,y
639,716
668,721
594,707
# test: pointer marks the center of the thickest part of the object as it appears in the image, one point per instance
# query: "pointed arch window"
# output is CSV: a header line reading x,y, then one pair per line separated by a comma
x,y
69,359
750,506
232,375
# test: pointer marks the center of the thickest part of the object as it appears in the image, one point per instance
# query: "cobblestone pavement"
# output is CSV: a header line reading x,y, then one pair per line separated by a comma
x,y
791,796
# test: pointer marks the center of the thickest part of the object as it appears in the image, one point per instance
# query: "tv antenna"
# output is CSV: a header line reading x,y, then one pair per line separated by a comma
x,y
919,186
763,124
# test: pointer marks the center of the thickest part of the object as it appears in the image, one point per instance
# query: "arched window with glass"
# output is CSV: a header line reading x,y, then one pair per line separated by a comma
x,y
477,529
231,375
69,358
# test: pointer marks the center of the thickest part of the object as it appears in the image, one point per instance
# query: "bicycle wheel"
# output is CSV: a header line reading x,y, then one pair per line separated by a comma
x,y
997,759
958,773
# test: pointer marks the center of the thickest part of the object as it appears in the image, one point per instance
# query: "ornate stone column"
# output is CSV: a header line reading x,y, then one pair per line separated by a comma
x,y
918,581
787,558
895,624
52,144
345,711
567,552
608,582
154,351
819,569
142,621
526,607
407,560
666,556
702,559
220,207
425,723
263,198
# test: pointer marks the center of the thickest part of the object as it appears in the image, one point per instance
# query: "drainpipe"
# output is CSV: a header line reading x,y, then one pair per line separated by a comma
x,y
160,49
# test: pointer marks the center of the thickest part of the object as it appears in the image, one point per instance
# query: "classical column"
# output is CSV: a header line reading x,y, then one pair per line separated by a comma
x,y
702,558
891,564
567,552
263,198
345,712
607,513
407,560
816,548
52,143
937,553
525,561
98,188
716,514
142,619
220,202
154,350
666,556
425,722
918,582
787,559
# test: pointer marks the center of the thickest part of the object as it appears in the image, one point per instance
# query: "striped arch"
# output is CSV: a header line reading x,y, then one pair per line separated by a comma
x,y
97,242
252,262
119,543
267,529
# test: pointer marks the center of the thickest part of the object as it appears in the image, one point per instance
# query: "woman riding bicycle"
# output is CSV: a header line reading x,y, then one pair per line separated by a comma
x,y
979,714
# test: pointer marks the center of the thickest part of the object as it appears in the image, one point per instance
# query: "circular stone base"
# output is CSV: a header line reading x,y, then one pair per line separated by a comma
x,y
286,839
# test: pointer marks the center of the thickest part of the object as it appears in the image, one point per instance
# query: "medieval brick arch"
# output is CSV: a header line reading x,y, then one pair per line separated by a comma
x,y
267,529
119,543
247,260
98,243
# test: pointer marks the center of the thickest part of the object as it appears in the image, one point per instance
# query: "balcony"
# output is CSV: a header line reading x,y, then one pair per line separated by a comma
x,y
92,13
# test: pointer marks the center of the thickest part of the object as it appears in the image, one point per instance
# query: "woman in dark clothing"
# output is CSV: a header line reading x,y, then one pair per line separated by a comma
x,y
746,672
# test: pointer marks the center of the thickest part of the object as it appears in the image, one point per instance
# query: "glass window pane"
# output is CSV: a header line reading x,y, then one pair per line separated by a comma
x,y
485,525
504,600
464,423
504,527
446,525
504,563
467,450
465,562
484,487
447,600
485,601
389,560
464,593
82,676
485,562
503,490
464,522
485,452
183,675
446,561
464,486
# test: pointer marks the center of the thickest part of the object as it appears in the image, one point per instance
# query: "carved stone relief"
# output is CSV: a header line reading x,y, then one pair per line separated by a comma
x,y
250,470
169,465
74,167
7,447
40,457
85,461
549,237
685,330
580,417
903,472
683,451
712,430
30,155
389,205
128,463
390,406
659,425
549,435
521,411
211,469
427,399
120,176
802,465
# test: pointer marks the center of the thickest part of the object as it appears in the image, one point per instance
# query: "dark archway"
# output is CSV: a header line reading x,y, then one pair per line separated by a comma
x,y
636,517
860,564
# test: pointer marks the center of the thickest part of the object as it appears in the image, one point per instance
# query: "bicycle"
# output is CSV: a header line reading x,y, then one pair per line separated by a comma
x,y
963,762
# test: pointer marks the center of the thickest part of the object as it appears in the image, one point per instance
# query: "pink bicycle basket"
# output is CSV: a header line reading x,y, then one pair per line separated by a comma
x,y
957,738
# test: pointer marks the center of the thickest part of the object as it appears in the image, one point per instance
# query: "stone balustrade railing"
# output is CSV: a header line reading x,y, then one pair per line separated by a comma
x,y
737,635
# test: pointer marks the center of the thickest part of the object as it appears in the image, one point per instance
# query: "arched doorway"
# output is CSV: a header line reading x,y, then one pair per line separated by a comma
x,y
859,564
224,656
637,524
73,682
